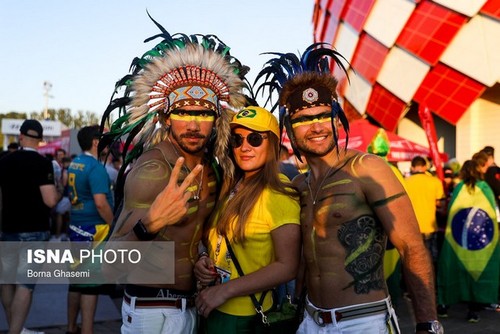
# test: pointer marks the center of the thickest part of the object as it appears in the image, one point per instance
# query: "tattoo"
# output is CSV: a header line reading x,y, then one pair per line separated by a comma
x,y
364,241
387,200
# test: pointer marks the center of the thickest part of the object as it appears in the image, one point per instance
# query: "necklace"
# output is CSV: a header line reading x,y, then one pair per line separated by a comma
x,y
196,197
199,187
308,180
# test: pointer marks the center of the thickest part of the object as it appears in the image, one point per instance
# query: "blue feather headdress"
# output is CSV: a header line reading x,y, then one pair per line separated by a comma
x,y
301,83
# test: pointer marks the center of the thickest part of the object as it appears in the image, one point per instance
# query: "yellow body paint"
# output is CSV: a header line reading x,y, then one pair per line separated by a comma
x,y
313,242
361,248
310,122
190,118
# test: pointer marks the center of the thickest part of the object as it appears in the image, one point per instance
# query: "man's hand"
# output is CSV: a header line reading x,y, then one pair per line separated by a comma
x,y
171,203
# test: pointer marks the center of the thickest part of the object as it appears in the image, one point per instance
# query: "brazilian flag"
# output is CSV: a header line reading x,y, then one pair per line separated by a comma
x,y
469,264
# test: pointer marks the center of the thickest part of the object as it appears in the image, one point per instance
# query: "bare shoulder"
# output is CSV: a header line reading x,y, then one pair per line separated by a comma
x,y
152,164
366,164
147,178
375,176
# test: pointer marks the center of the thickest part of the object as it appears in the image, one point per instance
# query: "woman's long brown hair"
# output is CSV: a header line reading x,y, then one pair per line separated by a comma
x,y
243,201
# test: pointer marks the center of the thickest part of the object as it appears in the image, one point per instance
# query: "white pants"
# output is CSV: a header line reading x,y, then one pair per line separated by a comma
x,y
157,320
372,324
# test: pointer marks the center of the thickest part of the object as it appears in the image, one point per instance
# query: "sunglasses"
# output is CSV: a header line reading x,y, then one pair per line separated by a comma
x,y
254,139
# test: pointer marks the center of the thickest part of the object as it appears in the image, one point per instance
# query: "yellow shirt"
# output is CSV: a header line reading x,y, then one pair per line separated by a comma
x,y
271,211
424,190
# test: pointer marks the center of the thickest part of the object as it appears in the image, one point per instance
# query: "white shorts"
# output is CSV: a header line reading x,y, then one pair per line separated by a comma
x,y
158,320
384,323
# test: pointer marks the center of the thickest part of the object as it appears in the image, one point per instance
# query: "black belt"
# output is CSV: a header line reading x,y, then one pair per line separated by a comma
x,y
323,318
160,302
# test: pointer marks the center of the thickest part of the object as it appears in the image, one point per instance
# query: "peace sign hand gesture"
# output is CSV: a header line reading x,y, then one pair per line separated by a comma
x,y
171,203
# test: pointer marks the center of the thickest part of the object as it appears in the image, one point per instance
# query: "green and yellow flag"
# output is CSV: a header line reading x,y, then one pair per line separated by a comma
x,y
469,264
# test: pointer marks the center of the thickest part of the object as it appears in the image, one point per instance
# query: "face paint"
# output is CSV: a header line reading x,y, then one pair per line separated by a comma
x,y
192,115
311,119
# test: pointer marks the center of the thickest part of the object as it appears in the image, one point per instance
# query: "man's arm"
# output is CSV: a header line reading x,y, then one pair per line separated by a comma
x,y
103,208
393,208
50,195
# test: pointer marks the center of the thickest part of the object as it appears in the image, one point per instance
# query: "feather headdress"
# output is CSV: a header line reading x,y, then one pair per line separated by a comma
x,y
180,71
301,83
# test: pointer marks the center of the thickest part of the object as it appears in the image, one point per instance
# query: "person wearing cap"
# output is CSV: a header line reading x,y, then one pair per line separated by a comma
x,y
178,121
28,193
258,215
351,204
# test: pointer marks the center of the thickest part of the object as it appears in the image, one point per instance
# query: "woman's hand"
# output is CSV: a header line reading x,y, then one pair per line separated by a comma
x,y
204,270
210,298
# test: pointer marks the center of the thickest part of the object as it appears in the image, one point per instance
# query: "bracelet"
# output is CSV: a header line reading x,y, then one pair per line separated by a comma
x,y
142,233
202,254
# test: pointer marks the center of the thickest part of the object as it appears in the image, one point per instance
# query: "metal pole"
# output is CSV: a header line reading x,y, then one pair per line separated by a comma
x,y
47,86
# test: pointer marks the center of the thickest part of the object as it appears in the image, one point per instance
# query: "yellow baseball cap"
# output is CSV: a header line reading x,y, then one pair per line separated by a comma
x,y
257,119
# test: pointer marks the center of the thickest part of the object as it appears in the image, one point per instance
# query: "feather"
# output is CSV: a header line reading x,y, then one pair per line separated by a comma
x,y
145,89
279,72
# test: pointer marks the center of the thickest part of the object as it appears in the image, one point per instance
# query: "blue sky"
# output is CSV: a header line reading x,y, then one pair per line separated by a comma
x,y
83,47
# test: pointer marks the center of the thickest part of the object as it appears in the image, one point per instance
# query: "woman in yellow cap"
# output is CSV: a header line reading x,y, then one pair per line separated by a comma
x,y
258,218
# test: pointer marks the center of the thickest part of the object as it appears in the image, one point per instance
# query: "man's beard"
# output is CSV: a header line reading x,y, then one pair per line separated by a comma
x,y
189,148
308,151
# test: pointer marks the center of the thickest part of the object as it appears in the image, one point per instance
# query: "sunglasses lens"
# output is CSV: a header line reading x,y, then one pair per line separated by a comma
x,y
254,139
235,140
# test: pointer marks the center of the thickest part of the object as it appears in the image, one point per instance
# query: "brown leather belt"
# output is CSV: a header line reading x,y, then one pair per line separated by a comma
x,y
160,302
323,318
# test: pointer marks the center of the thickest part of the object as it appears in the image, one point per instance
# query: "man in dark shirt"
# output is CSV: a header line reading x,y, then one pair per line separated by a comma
x,y
492,175
28,194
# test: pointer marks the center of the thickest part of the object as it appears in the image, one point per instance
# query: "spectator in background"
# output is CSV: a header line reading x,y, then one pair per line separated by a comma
x,y
12,147
63,207
492,175
426,194
469,262
287,167
28,193
107,157
60,154
442,215
91,218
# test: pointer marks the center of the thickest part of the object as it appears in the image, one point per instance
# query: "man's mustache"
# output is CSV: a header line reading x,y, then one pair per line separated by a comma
x,y
193,135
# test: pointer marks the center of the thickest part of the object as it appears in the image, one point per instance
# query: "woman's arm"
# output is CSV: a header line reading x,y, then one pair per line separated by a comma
x,y
286,240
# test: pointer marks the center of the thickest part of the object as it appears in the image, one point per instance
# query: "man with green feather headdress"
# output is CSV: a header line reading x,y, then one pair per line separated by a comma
x,y
176,113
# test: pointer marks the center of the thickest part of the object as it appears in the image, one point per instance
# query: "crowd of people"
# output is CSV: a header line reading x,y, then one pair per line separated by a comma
x,y
206,176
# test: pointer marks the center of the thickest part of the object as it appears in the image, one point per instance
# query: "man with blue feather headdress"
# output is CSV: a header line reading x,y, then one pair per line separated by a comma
x,y
352,202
